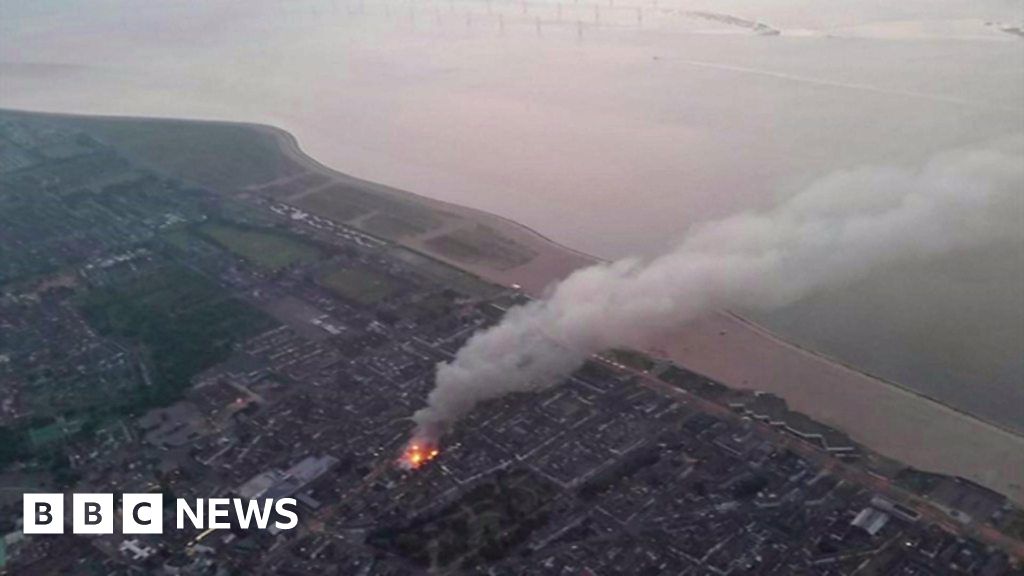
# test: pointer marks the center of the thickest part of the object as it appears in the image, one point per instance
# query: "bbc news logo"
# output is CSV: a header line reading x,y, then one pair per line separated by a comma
x,y
144,513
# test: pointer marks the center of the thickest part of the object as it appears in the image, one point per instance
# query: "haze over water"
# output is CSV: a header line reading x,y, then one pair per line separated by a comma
x,y
610,126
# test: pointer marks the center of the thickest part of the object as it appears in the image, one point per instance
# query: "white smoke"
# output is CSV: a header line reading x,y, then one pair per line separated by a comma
x,y
833,232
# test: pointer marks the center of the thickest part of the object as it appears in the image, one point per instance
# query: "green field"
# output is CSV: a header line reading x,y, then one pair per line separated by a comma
x,y
267,249
360,285
481,245
53,433
326,204
45,435
224,157
184,322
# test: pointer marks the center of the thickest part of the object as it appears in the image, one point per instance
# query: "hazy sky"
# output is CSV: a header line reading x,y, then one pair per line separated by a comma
x,y
611,127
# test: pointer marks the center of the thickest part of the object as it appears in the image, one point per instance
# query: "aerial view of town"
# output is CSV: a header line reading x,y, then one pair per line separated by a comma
x,y
199,310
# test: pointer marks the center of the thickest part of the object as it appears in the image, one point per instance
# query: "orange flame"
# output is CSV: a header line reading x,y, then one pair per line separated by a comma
x,y
416,455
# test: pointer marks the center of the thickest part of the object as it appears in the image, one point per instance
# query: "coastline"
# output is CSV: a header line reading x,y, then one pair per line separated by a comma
x,y
969,449
530,279
887,417
552,263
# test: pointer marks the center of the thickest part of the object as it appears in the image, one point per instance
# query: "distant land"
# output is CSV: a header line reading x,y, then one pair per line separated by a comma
x,y
267,163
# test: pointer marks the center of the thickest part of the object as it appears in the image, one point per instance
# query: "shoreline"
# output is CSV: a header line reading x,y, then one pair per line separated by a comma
x,y
768,333
749,357
299,152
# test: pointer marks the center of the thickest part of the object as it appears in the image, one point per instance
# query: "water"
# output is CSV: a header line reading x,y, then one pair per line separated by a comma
x,y
609,126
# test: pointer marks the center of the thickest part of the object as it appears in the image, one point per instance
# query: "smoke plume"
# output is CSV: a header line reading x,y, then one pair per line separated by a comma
x,y
833,232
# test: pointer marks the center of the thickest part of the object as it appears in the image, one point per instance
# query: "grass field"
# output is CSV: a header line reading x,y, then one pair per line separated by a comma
x,y
481,244
223,157
45,435
265,248
360,285
185,322
325,204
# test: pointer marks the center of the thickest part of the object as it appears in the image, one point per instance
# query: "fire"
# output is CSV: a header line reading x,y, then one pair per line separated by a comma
x,y
417,454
